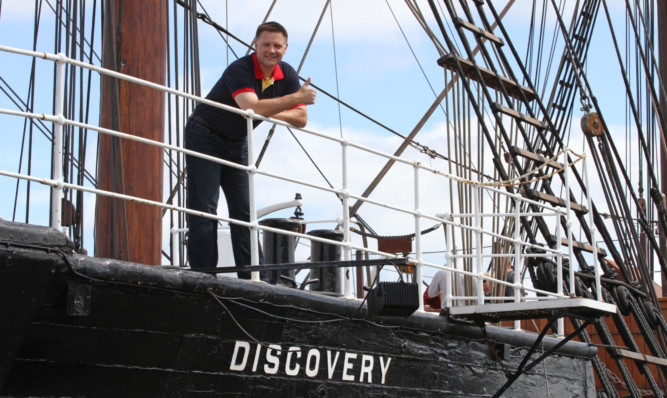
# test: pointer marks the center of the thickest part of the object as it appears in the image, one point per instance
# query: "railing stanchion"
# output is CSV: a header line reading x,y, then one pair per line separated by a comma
x,y
478,243
559,266
344,273
559,247
593,229
448,259
254,239
418,240
566,172
559,256
517,256
57,161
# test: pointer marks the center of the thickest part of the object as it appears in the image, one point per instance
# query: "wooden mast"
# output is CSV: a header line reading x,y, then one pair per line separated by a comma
x,y
134,43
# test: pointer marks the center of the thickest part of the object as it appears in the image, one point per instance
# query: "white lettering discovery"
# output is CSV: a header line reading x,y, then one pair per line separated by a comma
x,y
293,361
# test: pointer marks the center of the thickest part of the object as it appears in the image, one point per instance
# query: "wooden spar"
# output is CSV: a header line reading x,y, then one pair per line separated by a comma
x,y
662,42
134,43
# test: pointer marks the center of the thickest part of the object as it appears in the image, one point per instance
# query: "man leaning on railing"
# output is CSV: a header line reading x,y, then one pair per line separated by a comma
x,y
268,86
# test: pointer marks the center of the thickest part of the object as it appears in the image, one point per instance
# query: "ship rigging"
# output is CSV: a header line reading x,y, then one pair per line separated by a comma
x,y
509,114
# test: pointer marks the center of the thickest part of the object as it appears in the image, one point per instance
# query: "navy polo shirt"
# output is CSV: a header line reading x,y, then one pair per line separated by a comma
x,y
244,75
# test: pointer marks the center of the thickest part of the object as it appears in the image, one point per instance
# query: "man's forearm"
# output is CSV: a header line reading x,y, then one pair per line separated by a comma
x,y
272,106
297,117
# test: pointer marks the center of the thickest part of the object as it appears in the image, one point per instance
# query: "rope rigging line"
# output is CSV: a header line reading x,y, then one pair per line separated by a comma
x,y
193,31
600,163
601,227
580,76
650,75
40,125
266,18
333,42
177,100
467,86
303,60
552,52
373,234
451,84
549,63
90,42
312,37
542,138
663,94
420,18
169,155
564,90
610,144
454,107
70,27
30,102
206,18
507,139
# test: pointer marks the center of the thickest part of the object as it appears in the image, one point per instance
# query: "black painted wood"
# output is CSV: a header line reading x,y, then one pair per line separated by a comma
x,y
154,331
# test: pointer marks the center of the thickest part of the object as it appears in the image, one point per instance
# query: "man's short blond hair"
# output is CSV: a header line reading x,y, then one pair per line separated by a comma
x,y
271,26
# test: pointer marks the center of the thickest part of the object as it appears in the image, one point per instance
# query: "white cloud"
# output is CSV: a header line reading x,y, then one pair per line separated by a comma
x,y
19,10
354,21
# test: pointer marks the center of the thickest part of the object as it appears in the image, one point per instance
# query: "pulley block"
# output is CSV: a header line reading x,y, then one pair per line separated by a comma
x,y
592,125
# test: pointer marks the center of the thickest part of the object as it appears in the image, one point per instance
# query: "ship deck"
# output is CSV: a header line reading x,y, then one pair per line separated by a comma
x,y
579,307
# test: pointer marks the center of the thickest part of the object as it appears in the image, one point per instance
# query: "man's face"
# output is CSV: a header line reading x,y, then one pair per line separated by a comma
x,y
270,47
487,287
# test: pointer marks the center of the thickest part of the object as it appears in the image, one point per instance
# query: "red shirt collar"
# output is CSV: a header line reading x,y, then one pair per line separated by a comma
x,y
277,72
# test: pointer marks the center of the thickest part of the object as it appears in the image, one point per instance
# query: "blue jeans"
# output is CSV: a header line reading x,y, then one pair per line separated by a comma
x,y
204,179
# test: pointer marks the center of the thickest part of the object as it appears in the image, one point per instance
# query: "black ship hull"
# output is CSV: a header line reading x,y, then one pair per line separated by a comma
x,y
79,326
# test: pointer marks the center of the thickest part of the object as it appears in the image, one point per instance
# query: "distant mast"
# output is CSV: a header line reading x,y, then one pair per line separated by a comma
x,y
662,42
134,43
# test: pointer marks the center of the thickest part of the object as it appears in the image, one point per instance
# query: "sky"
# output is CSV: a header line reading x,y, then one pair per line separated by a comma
x,y
365,53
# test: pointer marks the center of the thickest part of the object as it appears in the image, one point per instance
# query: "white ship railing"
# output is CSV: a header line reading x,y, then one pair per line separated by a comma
x,y
451,222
